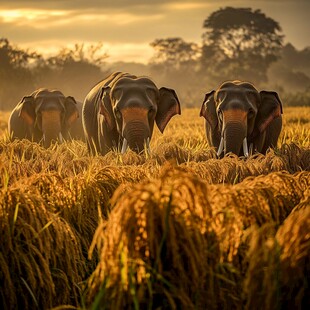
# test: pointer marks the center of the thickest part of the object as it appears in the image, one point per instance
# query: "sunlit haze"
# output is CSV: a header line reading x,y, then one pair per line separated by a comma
x,y
125,28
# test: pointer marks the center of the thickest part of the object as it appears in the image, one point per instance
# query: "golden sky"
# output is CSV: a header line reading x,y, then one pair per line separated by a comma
x,y
126,27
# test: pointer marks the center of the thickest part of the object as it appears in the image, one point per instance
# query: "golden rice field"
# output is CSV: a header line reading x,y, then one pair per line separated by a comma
x,y
179,229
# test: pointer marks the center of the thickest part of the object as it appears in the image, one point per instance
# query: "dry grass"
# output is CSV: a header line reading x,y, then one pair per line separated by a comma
x,y
41,256
152,247
278,273
183,228
180,241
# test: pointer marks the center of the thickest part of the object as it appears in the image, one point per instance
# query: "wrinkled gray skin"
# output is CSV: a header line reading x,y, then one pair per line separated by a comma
x,y
120,112
240,119
43,117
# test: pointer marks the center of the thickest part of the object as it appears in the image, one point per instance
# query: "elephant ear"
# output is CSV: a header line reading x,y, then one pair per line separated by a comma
x,y
270,108
106,107
27,110
168,106
72,112
208,109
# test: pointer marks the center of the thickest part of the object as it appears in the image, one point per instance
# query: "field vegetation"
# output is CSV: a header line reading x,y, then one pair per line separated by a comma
x,y
177,229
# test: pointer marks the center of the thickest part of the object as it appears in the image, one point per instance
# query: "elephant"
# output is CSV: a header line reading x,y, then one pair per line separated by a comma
x,y
120,111
240,119
44,116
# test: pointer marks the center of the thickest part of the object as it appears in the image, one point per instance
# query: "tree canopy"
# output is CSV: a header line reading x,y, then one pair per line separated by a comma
x,y
80,53
242,37
235,30
174,51
13,57
15,75
72,70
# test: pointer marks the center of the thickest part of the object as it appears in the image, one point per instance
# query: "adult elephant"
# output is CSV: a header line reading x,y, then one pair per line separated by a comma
x,y
238,115
44,116
120,111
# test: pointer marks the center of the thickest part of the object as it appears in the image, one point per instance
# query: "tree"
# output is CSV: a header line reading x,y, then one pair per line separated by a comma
x,y
295,59
80,53
15,76
175,64
72,70
174,52
13,57
240,41
292,70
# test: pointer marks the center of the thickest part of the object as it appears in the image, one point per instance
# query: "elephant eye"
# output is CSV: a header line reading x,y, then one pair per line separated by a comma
x,y
151,110
251,113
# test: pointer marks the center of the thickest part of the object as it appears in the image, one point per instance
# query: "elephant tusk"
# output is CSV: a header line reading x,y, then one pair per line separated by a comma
x,y
148,149
251,149
60,137
221,146
124,147
245,148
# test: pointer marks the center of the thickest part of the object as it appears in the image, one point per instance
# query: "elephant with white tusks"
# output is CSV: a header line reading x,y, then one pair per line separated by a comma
x,y
242,120
45,116
120,111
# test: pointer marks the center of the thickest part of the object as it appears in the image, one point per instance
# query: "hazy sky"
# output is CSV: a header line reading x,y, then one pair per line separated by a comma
x,y
126,27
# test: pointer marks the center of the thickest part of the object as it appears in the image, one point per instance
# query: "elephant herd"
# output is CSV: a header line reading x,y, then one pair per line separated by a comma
x,y
120,112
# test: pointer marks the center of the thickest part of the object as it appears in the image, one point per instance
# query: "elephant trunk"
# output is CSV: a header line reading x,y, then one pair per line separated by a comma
x,y
234,135
136,134
51,127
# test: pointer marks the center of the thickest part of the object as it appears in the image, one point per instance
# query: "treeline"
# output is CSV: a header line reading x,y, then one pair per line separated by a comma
x,y
237,43
73,71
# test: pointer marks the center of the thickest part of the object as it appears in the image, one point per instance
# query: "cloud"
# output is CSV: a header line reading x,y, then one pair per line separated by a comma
x,y
116,5
39,18
187,5
21,16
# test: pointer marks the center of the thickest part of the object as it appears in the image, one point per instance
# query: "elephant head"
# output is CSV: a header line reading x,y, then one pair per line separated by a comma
x,y
48,114
132,105
238,115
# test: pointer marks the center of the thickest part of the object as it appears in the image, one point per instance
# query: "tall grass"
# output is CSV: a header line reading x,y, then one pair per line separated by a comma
x,y
177,229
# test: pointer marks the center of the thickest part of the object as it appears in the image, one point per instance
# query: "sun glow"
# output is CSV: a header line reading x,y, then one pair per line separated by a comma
x,y
30,17
17,16
186,6
135,52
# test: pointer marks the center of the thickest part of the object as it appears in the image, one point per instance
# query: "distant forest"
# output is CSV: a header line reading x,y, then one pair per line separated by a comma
x,y
237,43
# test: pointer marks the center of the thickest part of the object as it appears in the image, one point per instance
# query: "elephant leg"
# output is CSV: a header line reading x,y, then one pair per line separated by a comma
x,y
107,139
17,127
213,136
103,139
272,134
90,127
259,142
